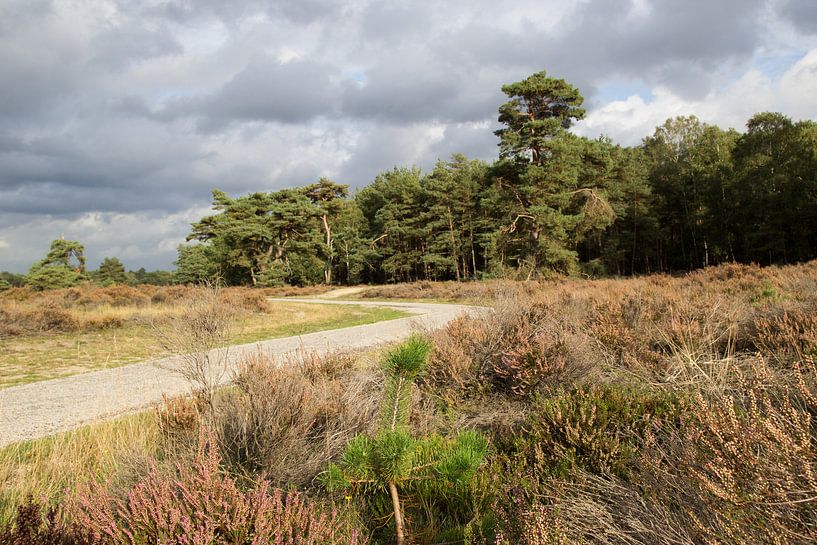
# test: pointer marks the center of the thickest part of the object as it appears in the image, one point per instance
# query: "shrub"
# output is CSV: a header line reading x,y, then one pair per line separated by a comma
x,y
32,526
786,337
203,506
522,347
597,428
586,509
289,421
743,464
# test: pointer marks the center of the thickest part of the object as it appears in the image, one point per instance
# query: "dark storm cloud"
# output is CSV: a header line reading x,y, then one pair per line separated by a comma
x,y
802,14
117,47
141,107
267,90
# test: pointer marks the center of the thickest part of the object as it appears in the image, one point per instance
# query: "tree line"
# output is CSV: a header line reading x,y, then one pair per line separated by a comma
x,y
64,267
690,195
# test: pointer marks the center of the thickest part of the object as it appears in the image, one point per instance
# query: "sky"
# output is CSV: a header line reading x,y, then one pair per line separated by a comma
x,y
118,117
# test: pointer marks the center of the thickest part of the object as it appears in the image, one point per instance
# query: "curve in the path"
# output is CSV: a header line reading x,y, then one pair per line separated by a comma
x,y
44,408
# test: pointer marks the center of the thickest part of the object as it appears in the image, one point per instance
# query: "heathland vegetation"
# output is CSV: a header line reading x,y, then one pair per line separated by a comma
x,y
660,409
671,408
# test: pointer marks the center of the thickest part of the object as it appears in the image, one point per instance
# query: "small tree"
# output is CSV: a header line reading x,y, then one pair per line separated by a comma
x,y
111,271
198,338
63,267
393,461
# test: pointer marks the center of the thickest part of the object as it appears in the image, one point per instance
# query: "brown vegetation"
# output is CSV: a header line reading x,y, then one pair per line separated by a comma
x,y
668,410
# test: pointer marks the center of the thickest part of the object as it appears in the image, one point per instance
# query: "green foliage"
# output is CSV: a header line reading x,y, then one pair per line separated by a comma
x,y
540,108
63,267
194,265
593,428
402,365
327,197
12,280
111,271
393,458
155,278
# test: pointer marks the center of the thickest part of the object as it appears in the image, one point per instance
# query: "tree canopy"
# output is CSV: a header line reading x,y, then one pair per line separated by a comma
x,y
690,195
62,267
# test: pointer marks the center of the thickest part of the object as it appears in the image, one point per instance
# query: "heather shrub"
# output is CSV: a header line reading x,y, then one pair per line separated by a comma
x,y
288,421
597,428
524,346
34,525
170,294
201,505
245,299
180,419
585,509
786,336
742,467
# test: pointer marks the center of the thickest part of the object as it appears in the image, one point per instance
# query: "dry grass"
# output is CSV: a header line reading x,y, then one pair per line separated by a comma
x,y
116,450
47,335
289,421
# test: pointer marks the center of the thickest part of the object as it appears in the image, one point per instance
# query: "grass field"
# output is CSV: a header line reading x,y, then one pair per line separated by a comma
x,y
90,337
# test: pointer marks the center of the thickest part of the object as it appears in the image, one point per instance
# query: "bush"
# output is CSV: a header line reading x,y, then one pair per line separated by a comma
x,y
743,464
202,505
523,347
289,421
596,428
33,526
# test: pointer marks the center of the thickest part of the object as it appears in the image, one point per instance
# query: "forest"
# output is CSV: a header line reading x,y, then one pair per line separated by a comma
x,y
689,196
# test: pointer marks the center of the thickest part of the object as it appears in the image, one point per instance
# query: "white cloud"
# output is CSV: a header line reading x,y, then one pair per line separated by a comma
x,y
794,93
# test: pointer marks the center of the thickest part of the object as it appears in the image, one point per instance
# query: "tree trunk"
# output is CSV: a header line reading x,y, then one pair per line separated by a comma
x,y
330,251
454,256
398,514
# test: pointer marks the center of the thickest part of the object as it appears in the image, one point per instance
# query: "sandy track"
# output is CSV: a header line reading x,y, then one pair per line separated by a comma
x,y
45,408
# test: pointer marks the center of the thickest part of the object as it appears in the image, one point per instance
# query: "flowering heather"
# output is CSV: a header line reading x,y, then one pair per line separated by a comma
x,y
202,506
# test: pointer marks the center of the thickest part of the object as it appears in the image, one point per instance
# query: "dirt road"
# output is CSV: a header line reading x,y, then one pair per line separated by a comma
x,y
45,408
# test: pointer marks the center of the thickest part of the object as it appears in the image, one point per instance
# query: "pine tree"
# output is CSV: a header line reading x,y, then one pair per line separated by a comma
x,y
111,271
394,461
63,267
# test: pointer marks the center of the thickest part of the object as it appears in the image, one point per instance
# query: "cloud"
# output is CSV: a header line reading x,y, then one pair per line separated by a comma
x,y
802,14
794,93
267,90
116,114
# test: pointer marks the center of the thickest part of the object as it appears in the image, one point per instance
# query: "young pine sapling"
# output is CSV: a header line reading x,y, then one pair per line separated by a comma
x,y
393,460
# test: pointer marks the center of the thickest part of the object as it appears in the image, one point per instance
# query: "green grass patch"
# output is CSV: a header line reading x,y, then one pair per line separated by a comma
x,y
32,358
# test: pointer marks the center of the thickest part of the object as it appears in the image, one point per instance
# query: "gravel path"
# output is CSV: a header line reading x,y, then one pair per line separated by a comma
x,y
45,408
